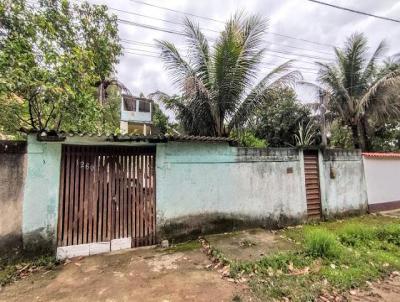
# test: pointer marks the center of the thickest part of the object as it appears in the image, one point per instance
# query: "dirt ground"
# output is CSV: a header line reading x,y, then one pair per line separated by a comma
x,y
167,275
248,245
387,290
140,275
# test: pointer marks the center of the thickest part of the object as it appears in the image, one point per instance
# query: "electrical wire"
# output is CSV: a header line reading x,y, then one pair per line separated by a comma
x,y
355,11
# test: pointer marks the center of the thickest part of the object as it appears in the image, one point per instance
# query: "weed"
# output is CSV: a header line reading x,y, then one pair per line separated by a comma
x,y
356,233
12,269
321,243
183,247
390,233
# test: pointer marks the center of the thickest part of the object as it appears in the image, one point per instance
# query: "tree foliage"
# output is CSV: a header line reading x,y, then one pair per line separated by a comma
x,y
218,87
52,57
362,93
278,118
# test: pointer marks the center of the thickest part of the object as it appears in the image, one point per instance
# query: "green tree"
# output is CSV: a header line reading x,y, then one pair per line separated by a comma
x,y
217,85
278,118
160,119
360,92
52,58
341,136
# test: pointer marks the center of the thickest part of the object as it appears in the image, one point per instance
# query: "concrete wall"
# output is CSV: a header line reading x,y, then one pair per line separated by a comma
x,y
344,188
12,175
40,209
383,182
41,198
205,186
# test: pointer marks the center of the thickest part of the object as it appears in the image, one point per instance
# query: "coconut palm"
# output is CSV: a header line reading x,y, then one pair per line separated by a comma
x,y
218,89
359,90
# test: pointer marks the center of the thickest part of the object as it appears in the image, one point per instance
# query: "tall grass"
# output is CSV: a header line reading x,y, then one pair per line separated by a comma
x,y
321,243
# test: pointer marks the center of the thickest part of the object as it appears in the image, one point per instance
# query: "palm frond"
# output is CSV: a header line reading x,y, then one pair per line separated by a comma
x,y
199,52
390,80
371,67
277,78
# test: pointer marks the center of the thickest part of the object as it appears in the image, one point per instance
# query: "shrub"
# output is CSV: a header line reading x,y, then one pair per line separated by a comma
x,y
390,233
321,243
355,234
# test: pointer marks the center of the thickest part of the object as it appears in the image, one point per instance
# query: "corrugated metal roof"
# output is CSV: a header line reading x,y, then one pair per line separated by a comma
x,y
51,136
381,154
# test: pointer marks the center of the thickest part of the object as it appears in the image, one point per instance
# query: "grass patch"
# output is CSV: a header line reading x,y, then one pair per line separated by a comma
x,y
15,266
332,256
321,243
184,247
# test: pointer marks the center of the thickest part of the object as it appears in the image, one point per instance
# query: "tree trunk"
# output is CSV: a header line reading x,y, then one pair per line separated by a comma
x,y
363,134
356,136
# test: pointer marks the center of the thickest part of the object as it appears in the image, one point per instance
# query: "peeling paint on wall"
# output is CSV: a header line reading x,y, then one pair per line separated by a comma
x,y
345,192
12,175
40,209
195,180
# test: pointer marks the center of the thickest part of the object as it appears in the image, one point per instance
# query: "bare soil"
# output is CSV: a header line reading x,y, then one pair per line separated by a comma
x,y
139,275
387,290
250,244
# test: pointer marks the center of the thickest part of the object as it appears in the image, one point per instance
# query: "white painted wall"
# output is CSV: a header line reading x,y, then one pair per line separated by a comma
x,y
383,179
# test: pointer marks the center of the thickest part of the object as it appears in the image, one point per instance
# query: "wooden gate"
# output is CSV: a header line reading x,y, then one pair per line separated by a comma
x,y
313,195
107,192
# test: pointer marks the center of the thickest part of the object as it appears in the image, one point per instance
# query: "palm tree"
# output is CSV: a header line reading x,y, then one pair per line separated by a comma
x,y
217,91
359,91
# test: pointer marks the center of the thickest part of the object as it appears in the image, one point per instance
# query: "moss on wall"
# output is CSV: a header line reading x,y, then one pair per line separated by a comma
x,y
192,226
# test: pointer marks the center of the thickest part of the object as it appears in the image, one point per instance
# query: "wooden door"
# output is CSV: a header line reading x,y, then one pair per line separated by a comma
x,y
313,194
107,192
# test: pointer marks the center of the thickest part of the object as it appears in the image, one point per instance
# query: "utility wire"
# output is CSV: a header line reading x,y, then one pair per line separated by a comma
x,y
208,29
355,11
151,27
222,22
302,59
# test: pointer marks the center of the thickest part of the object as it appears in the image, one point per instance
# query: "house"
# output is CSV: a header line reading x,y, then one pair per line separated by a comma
x,y
136,115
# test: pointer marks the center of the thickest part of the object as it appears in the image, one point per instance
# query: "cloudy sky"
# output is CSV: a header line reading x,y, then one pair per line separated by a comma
x,y
298,29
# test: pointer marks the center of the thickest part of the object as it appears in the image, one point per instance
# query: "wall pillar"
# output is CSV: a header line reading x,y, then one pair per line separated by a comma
x,y
40,204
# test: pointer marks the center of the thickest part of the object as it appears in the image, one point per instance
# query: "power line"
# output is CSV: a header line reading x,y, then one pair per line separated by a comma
x,y
155,18
133,42
177,11
208,29
123,21
182,34
220,21
356,11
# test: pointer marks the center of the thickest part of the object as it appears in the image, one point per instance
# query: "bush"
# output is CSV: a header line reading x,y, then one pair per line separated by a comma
x,y
355,234
390,233
321,243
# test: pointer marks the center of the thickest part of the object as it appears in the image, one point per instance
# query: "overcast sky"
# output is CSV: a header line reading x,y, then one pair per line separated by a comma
x,y
143,71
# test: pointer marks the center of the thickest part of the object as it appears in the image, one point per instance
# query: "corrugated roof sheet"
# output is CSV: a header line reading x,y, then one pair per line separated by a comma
x,y
137,138
381,154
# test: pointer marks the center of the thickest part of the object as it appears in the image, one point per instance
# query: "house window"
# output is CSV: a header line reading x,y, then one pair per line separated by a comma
x,y
144,106
129,104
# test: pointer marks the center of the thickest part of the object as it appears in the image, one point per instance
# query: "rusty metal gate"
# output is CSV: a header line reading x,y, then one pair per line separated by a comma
x,y
107,192
313,195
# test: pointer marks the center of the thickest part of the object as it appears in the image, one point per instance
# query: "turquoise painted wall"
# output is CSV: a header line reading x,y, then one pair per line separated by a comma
x,y
40,206
202,180
198,179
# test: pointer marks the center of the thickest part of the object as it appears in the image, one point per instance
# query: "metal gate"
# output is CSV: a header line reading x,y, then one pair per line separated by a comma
x,y
107,192
313,195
